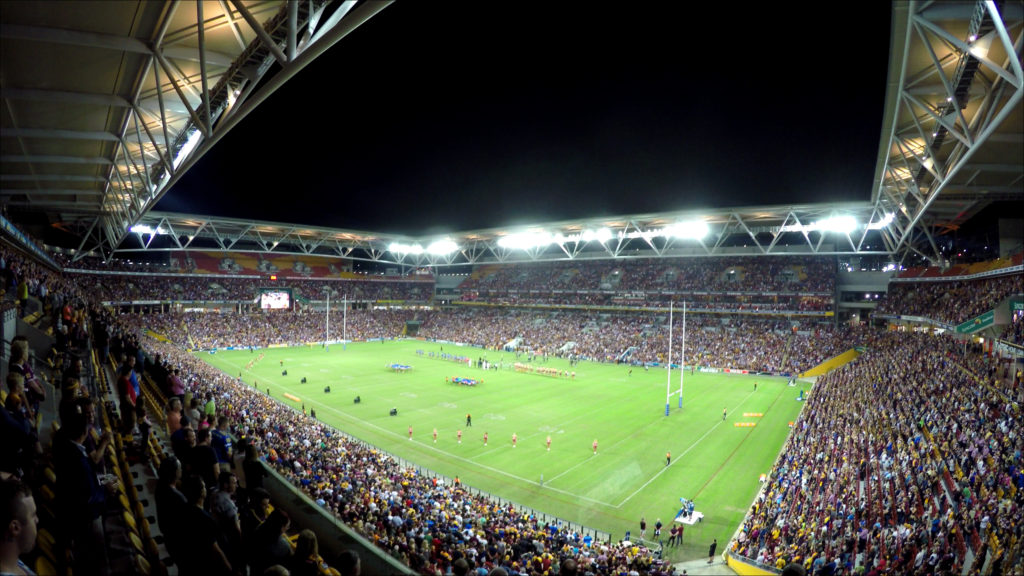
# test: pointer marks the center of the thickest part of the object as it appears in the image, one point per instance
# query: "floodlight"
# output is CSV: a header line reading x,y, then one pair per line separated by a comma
x,y
399,248
602,235
885,221
694,230
186,150
145,229
442,247
525,240
843,224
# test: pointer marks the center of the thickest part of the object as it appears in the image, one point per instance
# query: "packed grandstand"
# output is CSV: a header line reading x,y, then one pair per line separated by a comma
x,y
904,461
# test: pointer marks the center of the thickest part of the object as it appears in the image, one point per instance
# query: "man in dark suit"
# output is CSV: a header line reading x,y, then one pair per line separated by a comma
x,y
80,497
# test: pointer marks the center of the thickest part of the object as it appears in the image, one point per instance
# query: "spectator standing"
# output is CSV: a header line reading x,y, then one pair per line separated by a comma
x,y
221,442
253,468
305,560
19,520
170,503
269,545
203,460
80,498
225,513
200,538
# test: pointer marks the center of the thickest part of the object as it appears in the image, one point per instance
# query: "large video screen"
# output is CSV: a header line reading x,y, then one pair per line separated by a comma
x,y
275,299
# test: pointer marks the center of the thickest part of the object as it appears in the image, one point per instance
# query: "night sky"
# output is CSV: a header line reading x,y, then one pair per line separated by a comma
x,y
456,115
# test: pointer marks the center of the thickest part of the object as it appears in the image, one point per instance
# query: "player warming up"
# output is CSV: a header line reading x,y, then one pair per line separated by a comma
x,y
459,436
514,439
410,432
435,435
485,438
595,446
549,442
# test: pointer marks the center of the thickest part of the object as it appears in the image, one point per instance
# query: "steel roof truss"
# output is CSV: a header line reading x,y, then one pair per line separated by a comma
x,y
201,27
319,32
965,48
142,152
165,155
265,38
293,18
947,121
742,224
171,232
169,71
922,133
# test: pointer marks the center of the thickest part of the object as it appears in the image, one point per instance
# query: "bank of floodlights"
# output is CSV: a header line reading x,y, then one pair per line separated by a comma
x,y
840,224
601,235
442,247
526,240
399,248
436,248
695,230
144,229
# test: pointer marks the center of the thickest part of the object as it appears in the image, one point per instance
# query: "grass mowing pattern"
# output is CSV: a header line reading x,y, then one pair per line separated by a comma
x,y
713,461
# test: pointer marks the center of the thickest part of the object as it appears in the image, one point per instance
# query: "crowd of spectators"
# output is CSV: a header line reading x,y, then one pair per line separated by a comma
x,y
743,284
898,467
426,522
1014,331
745,343
193,288
785,274
952,302
893,465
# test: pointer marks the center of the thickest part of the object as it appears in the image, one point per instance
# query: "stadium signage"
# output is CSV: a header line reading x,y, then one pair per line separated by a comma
x,y
26,242
976,324
987,274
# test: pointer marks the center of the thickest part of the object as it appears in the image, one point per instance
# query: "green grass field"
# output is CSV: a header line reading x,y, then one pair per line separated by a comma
x,y
713,461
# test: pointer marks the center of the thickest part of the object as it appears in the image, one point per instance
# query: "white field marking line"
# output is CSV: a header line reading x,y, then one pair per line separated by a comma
x,y
582,462
449,454
692,446
581,417
588,460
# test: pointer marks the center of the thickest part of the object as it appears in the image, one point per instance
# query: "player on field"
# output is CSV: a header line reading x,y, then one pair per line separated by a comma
x,y
435,435
549,442
459,435
595,446
514,439
410,432
485,438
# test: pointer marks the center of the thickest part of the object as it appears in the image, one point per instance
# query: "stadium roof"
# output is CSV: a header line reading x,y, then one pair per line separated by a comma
x,y
133,93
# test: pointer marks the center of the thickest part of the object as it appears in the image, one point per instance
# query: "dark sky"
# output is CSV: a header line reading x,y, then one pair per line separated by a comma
x,y
459,115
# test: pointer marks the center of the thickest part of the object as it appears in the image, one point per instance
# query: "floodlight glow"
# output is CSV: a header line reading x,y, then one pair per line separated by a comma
x,y
885,221
442,247
399,248
689,230
601,235
190,144
526,240
145,229
844,224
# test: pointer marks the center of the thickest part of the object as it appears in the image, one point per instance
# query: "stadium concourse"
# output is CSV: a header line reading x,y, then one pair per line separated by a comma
x,y
893,467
